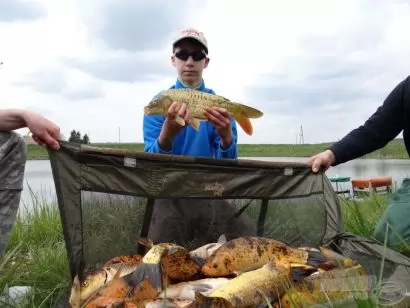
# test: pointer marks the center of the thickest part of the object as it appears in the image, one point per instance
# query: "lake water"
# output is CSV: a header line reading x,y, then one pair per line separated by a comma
x,y
39,180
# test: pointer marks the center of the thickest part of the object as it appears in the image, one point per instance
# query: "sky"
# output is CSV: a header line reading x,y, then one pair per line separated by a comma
x,y
93,65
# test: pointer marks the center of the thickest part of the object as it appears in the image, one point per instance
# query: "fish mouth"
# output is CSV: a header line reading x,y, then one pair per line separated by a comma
x,y
146,110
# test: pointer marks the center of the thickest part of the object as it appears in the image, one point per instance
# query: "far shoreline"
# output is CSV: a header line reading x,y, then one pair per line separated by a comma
x,y
393,150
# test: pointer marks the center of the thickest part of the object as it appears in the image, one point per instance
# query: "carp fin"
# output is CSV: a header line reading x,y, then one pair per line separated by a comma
x,y
180,120
337,258
301,265
279,266
199,296
195,123
300,272
152,272
319,260
267,298
222,239
308,248
198,288
173,250
145,242
119,271
198,260
202,300
224,98
184,291
75,296
244,122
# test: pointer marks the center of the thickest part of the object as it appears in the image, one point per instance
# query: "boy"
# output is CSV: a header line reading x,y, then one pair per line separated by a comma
x,y
193,223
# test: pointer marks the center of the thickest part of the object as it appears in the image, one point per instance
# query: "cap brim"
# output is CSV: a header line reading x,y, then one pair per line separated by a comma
x,y
190,38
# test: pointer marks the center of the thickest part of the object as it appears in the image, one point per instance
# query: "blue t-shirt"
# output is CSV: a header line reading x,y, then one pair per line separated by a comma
x,y
205,142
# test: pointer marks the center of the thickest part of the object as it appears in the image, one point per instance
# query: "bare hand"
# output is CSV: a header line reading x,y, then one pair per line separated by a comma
x,y
324,159
219,117
45,133
177,117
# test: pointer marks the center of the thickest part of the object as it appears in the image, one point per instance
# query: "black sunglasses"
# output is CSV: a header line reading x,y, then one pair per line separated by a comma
x,y
196,55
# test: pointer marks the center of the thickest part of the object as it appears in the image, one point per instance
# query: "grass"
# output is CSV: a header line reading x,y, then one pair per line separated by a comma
x,y
359,219
36,254
393,150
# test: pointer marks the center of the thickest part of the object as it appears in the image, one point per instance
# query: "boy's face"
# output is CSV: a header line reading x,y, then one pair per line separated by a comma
x,y
189,70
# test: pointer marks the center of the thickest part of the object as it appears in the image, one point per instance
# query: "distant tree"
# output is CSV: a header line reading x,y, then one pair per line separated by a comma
x,y
75,136
86,139
72,135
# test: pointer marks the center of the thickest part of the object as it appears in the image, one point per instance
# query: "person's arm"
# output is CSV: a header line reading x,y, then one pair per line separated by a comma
x,y
382,127
152,126
45,132
231,150
11,119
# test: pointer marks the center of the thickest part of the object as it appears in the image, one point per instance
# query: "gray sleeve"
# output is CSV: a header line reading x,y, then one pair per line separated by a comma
x,y
12,163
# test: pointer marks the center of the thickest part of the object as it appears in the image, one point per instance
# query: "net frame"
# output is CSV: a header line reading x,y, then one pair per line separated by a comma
x,y
78,167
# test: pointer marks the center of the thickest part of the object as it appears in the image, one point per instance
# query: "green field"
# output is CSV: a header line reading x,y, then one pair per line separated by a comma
x,y
394,150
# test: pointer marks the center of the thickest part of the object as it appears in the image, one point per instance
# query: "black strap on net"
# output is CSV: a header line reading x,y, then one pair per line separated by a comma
x,y
145,224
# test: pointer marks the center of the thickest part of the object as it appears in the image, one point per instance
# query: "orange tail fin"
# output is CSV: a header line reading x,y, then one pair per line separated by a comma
x,y
244,123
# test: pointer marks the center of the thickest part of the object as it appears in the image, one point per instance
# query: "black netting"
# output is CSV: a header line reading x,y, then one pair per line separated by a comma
x,y
296,221
112,223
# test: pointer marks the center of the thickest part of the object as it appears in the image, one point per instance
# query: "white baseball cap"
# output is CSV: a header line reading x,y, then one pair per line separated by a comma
x,y
193,34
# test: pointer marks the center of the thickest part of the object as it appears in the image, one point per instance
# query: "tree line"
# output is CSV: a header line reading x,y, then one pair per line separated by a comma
x,y
75,136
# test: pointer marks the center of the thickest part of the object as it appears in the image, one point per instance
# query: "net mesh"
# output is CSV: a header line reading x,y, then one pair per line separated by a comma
x,y
109,198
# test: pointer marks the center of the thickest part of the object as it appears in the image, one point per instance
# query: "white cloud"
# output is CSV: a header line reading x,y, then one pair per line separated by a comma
x,y
93,65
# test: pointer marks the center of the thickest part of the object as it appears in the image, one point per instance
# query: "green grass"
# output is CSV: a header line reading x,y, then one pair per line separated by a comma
x,y
360,217
394,150
36,254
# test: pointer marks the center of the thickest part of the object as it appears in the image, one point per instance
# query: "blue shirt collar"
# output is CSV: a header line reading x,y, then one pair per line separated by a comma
x,y
180,84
